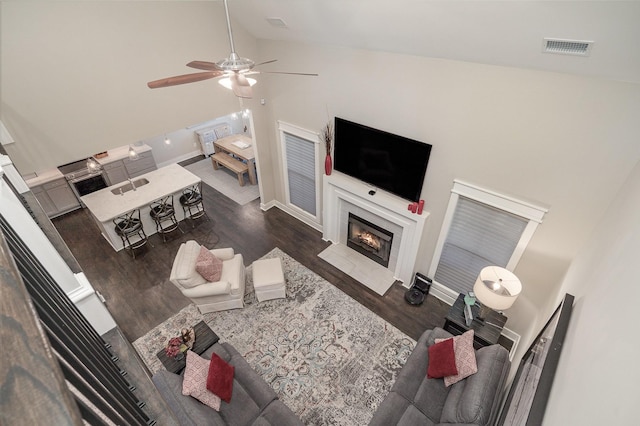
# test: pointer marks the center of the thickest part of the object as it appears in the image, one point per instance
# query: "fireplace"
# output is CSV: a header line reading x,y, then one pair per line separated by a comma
x,y
343,195
369,239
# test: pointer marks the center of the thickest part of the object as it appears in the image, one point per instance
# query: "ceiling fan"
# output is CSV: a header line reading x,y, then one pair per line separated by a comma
x,y
234,68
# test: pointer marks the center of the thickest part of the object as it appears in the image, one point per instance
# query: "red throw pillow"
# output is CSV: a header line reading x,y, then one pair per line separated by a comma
x,y
194,382
220,378
209,266
442,360
465,357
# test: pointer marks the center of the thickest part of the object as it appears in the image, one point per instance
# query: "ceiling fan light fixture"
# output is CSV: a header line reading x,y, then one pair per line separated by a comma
x,y
235,63
226,82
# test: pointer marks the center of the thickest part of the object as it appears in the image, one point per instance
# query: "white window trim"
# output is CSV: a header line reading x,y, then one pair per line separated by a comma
x,y
532,212
529,211
313,137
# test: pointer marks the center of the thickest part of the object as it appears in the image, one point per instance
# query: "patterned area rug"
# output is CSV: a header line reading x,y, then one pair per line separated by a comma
x,y
328,358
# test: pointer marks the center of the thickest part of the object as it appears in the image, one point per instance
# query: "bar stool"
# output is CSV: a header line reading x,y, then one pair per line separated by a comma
x,y
161,211
192,203
129,225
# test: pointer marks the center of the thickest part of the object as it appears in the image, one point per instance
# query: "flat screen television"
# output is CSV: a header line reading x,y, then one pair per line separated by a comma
x,y
386,161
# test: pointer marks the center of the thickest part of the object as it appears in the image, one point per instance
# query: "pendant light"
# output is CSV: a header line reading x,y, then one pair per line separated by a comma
x,y
93,166
133,155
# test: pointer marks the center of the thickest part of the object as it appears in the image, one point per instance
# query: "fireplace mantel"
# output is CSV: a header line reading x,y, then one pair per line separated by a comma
x,y
342,193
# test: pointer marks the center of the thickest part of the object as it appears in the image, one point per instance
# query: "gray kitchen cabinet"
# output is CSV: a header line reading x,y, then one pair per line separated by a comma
x,y
115,172
44,200
144,164
56,197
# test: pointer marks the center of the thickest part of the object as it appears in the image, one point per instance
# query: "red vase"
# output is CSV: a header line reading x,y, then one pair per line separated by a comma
x,y
327,165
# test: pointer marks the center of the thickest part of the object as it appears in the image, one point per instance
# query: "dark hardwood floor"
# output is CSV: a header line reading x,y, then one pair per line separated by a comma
x,y
140,296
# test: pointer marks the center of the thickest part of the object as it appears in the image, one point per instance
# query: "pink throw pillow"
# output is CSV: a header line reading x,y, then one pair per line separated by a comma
x,y
209,266
465,357
220,378
442,360
194,382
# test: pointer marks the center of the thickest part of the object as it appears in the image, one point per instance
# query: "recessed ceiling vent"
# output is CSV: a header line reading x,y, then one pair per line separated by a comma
x,y
277,22
567,47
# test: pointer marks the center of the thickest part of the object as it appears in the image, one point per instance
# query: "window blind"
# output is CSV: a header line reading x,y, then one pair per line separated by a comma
x,y
301,172
479,236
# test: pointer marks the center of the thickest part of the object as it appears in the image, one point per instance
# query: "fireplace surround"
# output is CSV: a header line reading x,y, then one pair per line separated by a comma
x,y
343,195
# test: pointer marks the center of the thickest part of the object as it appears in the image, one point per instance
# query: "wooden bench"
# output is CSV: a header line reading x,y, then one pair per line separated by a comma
x,y
236,166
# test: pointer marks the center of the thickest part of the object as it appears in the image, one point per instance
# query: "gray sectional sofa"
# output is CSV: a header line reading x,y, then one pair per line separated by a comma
x,y
253,402
416,400
413,399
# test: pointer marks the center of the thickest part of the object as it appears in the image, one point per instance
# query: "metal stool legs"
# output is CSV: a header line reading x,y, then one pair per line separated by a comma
x,y
163,214
192,203
129,228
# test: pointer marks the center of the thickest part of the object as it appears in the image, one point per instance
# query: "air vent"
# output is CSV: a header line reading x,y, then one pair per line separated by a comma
x,y
277,22
567,47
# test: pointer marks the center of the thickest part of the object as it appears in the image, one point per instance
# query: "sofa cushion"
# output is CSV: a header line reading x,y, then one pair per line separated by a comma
x,y
476,399
413,388
253,402
184,271
220,377
194,382
442,360
277,414
187,410
251,394
233,272
208,265
465,355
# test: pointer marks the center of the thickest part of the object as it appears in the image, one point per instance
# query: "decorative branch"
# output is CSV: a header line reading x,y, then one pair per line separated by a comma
x,y
327,136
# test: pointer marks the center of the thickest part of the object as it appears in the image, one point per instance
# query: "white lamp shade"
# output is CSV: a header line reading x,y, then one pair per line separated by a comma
x,y
491,285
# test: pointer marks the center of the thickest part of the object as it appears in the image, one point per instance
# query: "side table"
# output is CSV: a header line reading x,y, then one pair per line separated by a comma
x,y
485,332
205,338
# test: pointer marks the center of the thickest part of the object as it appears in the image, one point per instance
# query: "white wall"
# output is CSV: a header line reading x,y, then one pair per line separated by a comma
x,y
184,142
74,74
562,141
598,375
74,83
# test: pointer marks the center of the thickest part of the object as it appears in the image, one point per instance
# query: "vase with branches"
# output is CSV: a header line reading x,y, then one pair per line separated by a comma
x,y
327,137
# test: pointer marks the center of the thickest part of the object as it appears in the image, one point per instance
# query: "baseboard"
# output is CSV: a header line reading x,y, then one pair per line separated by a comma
x,y
180,158
266,206
294,213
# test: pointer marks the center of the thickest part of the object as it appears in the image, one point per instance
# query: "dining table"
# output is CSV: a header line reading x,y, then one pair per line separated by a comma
x,y
241,146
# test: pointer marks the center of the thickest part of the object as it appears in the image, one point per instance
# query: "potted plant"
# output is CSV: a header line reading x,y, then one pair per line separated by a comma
x,y
327,137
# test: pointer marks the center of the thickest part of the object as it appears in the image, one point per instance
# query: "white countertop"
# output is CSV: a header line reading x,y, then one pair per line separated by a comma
x,y
105,205
114,154
44,177
120,153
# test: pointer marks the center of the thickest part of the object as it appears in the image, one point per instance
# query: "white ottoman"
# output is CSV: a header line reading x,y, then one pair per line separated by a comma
x,y
268,279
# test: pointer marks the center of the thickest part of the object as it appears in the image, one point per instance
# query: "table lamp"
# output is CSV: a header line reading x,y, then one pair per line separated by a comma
x,y
496,288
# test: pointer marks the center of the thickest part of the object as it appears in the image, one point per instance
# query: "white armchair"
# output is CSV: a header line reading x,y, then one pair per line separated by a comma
x,y
227,293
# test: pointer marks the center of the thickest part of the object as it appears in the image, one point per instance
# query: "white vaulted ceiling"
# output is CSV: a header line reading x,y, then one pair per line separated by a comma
x,y
506,33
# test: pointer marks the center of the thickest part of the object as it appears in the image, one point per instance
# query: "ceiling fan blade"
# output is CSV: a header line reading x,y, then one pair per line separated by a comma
x,y
266,62
240,85
183,79
203,65
290,73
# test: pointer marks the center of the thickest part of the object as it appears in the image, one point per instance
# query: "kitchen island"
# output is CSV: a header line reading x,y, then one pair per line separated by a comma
x,y
107,204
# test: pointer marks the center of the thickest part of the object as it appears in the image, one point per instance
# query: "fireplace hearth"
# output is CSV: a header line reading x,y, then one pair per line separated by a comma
x,y
369,239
